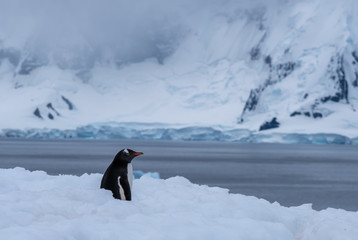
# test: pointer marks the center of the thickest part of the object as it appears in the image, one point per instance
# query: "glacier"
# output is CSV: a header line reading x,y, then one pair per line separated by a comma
x,y
250,71
157,131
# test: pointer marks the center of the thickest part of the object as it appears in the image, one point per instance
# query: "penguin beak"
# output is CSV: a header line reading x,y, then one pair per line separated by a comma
x,y
138,153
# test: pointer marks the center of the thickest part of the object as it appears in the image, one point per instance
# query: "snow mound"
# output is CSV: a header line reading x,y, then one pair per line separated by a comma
x,y
35,205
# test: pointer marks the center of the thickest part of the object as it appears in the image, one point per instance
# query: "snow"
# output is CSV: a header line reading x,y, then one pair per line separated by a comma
x,y
35,205
194,69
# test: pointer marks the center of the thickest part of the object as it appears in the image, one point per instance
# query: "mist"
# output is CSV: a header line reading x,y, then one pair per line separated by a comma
x,y
105,31
127,30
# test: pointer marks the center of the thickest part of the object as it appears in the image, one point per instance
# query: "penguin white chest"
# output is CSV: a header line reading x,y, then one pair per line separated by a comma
x,y
130,174
130,181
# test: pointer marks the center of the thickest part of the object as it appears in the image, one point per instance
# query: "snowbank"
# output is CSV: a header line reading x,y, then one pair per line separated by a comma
x,y
35,205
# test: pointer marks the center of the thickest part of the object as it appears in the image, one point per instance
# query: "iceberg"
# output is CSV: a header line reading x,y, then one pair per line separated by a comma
x,y
138,174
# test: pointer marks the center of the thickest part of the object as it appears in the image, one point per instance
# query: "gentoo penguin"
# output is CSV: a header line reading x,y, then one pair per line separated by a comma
x,y
119,175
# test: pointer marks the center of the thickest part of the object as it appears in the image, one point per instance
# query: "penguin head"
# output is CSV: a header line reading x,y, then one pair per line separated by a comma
x,y
127,155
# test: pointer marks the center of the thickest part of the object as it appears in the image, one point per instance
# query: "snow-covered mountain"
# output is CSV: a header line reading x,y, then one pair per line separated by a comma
x,y
266,66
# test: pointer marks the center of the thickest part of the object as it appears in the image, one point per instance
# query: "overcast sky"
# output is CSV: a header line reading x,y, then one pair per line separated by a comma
x,y
130,28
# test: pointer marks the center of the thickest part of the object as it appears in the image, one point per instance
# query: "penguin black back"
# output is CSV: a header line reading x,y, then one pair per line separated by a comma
x,y
119,175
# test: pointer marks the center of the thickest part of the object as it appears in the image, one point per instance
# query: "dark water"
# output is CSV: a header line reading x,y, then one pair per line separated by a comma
x,y
326,176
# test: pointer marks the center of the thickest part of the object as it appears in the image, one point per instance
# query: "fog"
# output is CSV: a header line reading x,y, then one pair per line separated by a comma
x,y
132,30
120,29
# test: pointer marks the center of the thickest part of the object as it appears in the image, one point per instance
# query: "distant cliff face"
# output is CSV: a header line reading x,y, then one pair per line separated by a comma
x,y
261,65
336,85
314,74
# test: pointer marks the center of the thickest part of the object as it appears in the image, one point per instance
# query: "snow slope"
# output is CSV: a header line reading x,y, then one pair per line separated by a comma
x,y
192,63
35,205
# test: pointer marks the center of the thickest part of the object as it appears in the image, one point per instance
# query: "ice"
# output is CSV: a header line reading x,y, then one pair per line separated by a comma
x,y
132,131
35,205
138,174
168,132
301,138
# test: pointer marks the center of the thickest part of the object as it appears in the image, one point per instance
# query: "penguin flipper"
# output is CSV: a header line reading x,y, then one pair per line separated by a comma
x,y
115,189
126,188
109,182
116,193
